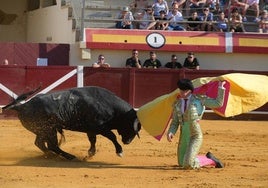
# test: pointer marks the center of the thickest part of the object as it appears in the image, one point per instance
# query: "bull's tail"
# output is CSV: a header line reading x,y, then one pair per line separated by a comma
x,y
20,98
62,137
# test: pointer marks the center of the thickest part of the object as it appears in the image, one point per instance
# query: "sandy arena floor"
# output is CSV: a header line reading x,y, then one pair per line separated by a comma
x,y
241,145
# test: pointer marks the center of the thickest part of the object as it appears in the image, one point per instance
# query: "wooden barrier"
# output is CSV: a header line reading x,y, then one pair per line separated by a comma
x,y
27,53
136,86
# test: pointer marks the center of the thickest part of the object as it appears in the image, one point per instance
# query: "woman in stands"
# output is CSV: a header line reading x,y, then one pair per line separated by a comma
x,y
236,21
160,5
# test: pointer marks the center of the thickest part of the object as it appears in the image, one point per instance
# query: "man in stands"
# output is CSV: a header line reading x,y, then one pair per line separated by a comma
x,y
126,18
134,60
191,62
101,62
152,62
174,64
175,17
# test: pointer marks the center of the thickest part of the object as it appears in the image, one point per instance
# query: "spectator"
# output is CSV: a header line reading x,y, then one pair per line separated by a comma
x,y
175,17
158,6
180,3
134,60
255,5
101,62
126,18
194,5
263,22
222,22
211,4
152,62
221,5
148,20
5,62
174,64
191,62
207,18
193,24
236,21
161,22
235,4
137,8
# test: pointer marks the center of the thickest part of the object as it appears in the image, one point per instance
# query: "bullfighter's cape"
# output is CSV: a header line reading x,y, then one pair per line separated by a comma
x,y
244,93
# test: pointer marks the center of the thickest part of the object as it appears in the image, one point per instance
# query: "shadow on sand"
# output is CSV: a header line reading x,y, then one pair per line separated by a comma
x,y
58,162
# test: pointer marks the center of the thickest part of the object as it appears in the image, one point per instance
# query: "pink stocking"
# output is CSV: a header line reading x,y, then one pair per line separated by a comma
x,y
204,161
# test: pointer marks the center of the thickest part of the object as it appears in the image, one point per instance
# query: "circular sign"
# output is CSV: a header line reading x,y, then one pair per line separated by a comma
x,y
155,40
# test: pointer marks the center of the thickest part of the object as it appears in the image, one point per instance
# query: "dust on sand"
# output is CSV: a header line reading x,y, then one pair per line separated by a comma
x,y
241,145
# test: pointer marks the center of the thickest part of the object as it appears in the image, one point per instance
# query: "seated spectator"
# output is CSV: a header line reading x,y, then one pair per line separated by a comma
x,y
126,18
255,5
158,6
194,5
152,62
191,62
137,7
263,22
211,4
161,22
180,3
134,60
222,22
147,20
194,22
236,21
100,62
207,18
238,4
174,64
175,17
222,5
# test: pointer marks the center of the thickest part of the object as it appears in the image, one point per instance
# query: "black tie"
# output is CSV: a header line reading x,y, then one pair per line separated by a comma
x,y
185,104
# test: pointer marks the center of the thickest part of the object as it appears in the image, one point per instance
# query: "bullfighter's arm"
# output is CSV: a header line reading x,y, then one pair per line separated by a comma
x,y
175,123
218,101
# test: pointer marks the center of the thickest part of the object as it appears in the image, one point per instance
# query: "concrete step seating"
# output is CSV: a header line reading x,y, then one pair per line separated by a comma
x,y
102,13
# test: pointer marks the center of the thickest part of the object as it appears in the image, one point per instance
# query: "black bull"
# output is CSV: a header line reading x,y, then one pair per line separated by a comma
x,y
92,110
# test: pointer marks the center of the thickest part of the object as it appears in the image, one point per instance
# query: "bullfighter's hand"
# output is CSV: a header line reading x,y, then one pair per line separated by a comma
x,y
170,137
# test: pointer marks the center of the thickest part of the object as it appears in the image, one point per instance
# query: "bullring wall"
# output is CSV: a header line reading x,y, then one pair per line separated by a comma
x,y
136,86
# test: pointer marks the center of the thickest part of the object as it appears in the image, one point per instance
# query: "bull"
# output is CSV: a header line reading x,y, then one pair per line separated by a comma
x,y
91,110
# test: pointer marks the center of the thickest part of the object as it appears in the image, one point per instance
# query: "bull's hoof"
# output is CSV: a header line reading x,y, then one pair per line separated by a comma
x,y
119,154
49,155
91,154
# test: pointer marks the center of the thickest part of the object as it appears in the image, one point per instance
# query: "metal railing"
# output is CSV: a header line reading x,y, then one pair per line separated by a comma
x,y
95,14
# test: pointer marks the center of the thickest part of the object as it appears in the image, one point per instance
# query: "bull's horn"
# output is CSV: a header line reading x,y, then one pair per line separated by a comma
x,y
136,125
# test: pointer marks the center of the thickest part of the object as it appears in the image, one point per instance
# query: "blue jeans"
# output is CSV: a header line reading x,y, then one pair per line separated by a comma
x,y
176,28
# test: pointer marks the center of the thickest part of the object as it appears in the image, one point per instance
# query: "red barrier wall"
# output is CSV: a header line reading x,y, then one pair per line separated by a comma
x,y
27,53
136,86
21,79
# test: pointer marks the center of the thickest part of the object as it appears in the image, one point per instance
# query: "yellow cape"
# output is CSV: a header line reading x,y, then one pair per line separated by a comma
x,y
247,92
